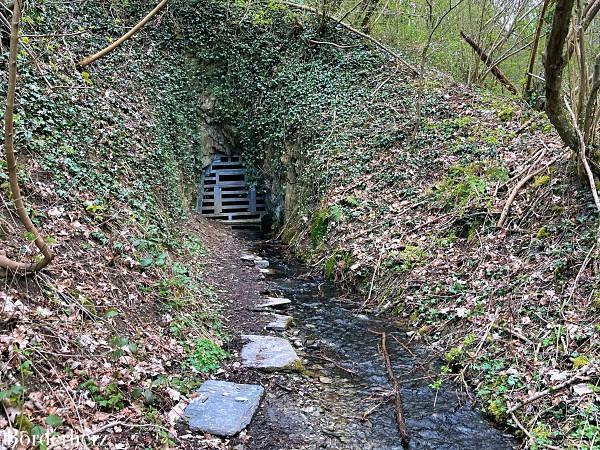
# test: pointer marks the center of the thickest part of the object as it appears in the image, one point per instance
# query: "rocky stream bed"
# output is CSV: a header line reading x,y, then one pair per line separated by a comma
x,y
336,392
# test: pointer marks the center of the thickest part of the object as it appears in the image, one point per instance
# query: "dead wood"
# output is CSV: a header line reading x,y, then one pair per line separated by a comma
x,y
519,186
580,376
489,63
397,396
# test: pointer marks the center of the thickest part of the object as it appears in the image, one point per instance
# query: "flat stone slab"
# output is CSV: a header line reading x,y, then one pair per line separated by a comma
x,y
280,323
268,353
261,263
274,302
223,408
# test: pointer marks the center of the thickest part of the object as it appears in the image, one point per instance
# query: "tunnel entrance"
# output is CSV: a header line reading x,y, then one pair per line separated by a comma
x,y
226,195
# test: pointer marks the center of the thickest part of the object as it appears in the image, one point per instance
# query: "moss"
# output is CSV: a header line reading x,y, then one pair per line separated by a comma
x,y
496,409
339,260
461,187
23,423
406,259
542,233
329,268
453,355
541,180
507,113
580,361
298,366
596,300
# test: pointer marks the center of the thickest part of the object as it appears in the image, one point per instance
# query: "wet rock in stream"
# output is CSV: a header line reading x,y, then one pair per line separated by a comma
x,y
280,323
268,353
274,302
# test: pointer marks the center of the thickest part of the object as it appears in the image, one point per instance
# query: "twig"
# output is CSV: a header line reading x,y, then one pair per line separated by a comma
x,y
576,378
397,397
517,188
373,280
579,273
528,433
583,157
333,44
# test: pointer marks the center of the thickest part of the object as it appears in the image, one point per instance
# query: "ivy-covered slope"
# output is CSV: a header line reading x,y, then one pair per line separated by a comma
x,y
408,222
122,323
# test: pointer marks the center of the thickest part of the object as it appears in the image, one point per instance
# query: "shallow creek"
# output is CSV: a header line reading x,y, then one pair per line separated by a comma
x,y
348,405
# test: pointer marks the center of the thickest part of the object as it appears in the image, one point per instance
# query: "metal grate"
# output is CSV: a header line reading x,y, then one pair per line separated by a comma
x,y
226,196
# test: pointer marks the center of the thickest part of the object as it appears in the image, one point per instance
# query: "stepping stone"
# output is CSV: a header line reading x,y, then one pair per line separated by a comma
x,y
223,408
261,263
269,353
248,258
267,271
281,323
274,302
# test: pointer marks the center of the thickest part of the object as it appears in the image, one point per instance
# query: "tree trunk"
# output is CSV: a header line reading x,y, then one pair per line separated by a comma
x,y
534,48
554,62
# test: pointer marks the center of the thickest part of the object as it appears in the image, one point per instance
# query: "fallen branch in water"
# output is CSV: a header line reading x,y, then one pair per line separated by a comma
x,y
397,397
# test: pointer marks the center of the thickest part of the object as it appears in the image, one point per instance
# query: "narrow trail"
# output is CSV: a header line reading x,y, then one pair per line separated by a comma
x,y
342,399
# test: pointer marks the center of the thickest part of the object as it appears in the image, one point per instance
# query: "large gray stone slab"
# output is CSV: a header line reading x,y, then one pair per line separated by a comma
x,y
269,353
280,323
223,408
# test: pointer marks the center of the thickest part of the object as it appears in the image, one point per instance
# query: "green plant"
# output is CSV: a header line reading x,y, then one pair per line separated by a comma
x,y
406,259
319,226
111,398
205,355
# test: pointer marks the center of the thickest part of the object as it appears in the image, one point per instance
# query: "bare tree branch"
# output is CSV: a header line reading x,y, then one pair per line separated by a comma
x,y
488,62
90,59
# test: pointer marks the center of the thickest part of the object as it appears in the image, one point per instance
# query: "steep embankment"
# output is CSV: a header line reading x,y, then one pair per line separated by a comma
x,y
409,222
123,322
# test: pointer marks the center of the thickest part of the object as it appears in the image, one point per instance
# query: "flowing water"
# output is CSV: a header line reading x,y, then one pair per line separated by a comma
x,y
349,405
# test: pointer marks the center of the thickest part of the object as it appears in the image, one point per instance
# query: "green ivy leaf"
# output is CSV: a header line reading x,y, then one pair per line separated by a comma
x,y
54,421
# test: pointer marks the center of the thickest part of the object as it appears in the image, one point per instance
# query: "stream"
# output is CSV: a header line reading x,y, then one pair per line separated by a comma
x,y
348,404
